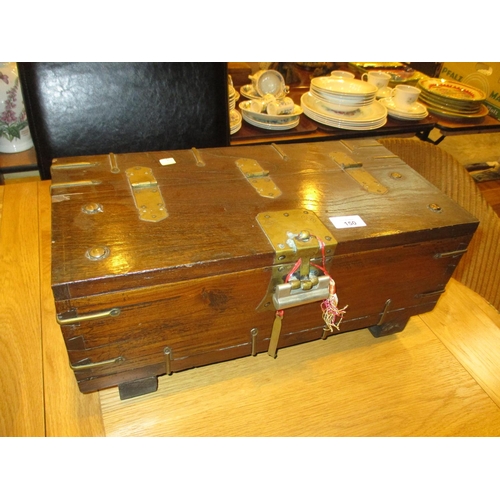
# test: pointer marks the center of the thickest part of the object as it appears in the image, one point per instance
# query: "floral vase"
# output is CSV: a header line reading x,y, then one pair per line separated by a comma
x,y
14,131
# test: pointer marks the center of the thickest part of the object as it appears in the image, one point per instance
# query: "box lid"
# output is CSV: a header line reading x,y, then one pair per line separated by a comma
x,y
202,220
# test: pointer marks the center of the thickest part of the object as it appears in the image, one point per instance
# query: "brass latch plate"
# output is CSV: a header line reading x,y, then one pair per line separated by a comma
x,y
358,173
146,193
295,234
258,178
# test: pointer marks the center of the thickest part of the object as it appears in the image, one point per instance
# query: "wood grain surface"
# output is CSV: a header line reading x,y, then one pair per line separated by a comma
x,y
21,370
68,411
408,384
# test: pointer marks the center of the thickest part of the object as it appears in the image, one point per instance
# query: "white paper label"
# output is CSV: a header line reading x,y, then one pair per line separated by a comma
x,y
347,221
167,161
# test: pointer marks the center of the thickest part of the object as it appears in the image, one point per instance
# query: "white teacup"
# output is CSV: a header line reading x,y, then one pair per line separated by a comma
x,y
268,81
341,74
404,96
283,106
260,105
377,78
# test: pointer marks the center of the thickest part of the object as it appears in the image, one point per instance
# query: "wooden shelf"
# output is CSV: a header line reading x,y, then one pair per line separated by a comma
x,y
18,162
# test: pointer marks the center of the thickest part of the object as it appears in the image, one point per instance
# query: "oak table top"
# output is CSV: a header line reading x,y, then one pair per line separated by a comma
x,y
438,377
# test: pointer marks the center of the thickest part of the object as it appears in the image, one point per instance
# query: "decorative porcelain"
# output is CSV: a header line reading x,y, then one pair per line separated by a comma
x,y
464,117
452,90
14,131
405,96
235,120
272,126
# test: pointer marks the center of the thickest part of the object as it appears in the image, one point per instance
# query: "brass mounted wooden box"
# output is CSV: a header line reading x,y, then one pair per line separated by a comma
x,y
164,261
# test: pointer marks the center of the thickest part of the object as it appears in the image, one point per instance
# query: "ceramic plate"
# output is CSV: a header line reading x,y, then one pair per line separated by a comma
x,y
234,117
452,90
347,125
450,115
452,105
365,114
341,125
235,129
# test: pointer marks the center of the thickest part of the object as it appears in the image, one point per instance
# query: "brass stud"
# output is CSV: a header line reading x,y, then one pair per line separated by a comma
x,y
97,253
92,208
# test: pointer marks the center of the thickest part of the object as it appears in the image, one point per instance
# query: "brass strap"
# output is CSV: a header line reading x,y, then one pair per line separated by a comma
x,y
358,173
66,166
71,184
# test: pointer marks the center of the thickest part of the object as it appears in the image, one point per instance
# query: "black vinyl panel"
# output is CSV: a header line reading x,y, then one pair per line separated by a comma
x,y
96,108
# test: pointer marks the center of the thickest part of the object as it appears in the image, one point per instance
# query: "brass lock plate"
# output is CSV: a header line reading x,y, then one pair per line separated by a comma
x,y
295,234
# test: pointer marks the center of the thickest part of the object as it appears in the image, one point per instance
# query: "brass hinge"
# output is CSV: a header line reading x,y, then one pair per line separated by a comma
x,y
258,178
358,173
146,193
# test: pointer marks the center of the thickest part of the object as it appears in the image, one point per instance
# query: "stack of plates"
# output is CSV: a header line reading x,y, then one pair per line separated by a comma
x,y
452,100
366,117
269,122
233,97
417,111
343,94
234,115
235,120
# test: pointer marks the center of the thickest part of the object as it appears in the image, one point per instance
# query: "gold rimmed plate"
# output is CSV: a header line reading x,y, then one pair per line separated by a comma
x,y
451,115
451,89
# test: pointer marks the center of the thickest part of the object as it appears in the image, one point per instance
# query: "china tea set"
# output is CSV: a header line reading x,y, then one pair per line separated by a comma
x,y
338,100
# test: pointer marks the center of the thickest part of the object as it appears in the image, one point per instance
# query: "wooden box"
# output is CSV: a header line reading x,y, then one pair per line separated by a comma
x,y
164,261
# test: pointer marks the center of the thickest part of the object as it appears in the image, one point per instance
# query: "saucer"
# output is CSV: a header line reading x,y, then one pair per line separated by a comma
x,y
249,92
416,110
383,93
